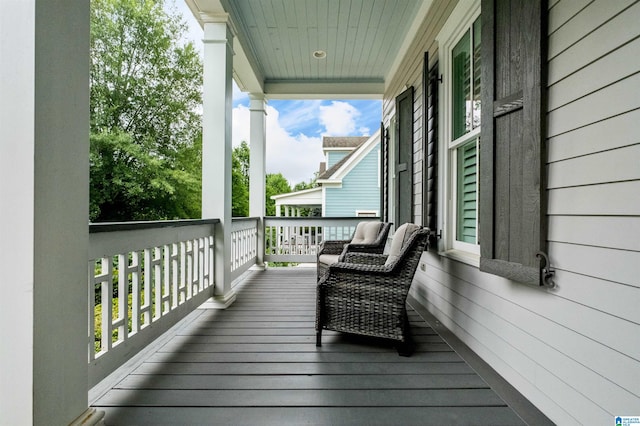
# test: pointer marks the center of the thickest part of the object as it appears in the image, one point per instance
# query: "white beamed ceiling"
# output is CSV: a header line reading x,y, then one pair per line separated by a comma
x,y
275,41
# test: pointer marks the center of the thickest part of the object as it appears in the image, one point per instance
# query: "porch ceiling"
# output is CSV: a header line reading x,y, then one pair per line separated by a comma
x,y
364,41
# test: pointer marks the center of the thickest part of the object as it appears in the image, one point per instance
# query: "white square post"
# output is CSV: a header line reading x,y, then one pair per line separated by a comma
x,y
216,147
257,197
44,232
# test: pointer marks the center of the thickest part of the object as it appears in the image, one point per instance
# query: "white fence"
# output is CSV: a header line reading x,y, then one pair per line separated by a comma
x,y
144,277
244,244
150,275
296,239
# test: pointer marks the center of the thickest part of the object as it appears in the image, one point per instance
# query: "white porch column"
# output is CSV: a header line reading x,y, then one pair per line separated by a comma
x,y
257,143
216,147
44,188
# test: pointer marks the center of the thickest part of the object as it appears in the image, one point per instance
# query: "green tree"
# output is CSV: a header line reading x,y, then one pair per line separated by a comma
x,y
275,184
300,186
240,180
307,185
146,94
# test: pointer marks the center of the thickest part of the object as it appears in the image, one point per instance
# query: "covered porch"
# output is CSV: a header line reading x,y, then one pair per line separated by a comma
x,y
206,335
256,363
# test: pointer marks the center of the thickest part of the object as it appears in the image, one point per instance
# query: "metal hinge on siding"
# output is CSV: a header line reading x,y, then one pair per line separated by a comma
x,y
546,271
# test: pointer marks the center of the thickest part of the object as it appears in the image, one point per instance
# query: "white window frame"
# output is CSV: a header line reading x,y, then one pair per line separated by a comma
x,y
459,22
367,213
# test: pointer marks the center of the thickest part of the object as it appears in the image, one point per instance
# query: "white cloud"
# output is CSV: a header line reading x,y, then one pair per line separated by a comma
x,y
299,113
296,157
339,118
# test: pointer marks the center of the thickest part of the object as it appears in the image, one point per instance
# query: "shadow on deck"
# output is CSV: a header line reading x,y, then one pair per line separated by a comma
x,y
256,363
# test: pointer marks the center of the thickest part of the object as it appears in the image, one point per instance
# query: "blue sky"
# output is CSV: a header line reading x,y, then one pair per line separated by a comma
x,y
295,127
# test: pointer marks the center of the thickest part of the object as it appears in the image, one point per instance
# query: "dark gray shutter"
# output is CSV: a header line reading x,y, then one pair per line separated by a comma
x,y
384,174
512,176
430,81
404,157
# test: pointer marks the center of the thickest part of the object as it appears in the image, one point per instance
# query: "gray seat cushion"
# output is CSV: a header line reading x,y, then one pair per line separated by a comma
x,y
402,234
366,233
328,259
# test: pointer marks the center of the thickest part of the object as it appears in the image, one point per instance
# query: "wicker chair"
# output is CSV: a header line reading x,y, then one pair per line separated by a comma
x,y
366,294
369,237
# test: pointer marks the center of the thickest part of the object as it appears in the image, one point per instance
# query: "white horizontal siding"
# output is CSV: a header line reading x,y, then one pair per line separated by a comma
x,y
611,199
593,33
597,231
607,70
624,164
618,98
574,351
563,12
596,137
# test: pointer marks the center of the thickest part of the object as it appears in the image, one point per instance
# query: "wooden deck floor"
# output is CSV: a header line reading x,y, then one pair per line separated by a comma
x,y
256,363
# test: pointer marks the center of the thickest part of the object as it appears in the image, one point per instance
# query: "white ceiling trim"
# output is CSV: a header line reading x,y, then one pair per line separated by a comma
x,y
323,90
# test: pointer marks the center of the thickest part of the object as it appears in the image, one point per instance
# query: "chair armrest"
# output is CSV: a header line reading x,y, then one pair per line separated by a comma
x,y
357,268
364,248
365,258
332,246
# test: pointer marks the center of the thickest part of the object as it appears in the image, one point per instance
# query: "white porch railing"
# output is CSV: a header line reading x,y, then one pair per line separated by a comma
x,y
150,275
144,277
244,244
296,239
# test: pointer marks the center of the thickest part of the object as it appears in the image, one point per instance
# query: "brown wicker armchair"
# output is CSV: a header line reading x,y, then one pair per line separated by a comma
x,y
367,293
369,237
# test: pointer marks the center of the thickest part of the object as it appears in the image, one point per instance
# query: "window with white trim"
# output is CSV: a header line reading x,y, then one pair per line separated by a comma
x,y
460,59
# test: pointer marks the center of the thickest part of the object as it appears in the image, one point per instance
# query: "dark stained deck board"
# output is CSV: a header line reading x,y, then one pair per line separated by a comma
x,y
294,368
206,339
283,382
306,357
304,398
256,363
280,416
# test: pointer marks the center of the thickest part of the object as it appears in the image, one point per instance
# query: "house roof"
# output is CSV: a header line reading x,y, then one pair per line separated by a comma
x,y
305,197
329,142
342,167
331,170
340,143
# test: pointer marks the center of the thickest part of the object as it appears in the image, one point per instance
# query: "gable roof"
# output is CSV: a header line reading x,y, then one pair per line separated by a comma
x,y
344,166
342,142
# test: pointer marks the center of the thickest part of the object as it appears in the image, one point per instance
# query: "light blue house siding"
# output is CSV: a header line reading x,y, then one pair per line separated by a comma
x,y
359,191
334,157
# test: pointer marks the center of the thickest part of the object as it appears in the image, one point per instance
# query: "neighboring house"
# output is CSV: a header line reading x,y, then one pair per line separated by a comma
x,y
349,180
